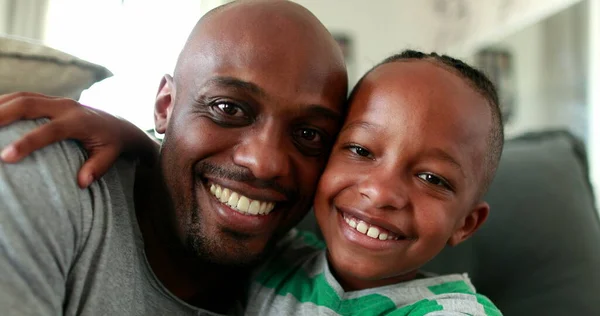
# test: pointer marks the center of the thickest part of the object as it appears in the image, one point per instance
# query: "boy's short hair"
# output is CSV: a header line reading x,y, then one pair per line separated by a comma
x,y
482,85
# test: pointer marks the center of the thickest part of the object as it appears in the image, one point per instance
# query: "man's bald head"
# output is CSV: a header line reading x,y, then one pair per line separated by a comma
x,y
262,28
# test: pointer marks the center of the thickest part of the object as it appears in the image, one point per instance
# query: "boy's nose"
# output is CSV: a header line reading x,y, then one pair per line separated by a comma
x,y
384,190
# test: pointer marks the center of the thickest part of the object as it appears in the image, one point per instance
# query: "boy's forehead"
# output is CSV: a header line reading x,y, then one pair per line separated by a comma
x,y
416,83
432,104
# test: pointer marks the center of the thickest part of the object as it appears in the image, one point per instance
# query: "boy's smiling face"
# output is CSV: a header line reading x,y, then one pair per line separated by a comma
x,y
403,178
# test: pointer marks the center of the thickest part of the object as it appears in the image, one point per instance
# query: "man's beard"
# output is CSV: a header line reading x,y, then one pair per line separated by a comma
x,y
192,241
208,250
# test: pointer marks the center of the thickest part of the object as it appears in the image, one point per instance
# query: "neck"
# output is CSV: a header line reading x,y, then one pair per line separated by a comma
x,y
198,282
350,282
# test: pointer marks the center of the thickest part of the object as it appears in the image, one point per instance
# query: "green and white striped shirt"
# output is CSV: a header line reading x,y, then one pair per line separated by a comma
x,y
297,281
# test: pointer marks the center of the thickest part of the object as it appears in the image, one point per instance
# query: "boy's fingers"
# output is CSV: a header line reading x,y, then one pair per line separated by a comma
x,y
10,96
96,166
40,137
11,111
31,106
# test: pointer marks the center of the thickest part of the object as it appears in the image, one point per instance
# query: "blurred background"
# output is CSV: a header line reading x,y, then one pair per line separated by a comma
x,y
542,54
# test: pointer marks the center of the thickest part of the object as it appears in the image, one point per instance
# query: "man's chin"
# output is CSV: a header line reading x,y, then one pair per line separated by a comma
x,y
227,252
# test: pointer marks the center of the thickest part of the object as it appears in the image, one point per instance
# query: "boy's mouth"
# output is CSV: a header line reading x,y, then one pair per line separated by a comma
x,y
371,230
239,202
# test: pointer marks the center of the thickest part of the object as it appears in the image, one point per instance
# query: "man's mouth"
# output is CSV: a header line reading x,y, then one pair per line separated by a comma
x,y
370,230
239,202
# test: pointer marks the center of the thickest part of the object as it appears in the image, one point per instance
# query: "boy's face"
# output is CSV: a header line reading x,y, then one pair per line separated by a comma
x,y
403,177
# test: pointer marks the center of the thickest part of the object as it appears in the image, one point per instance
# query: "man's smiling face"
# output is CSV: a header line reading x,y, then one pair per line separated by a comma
x,y
250,116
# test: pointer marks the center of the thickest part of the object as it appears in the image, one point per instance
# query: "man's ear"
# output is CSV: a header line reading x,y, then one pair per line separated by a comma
x,y
470,224
163,107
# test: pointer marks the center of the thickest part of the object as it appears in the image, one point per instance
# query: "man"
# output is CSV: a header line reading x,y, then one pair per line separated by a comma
x,y
253,106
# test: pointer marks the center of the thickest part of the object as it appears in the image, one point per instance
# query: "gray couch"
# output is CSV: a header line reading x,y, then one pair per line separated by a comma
x,y
539,251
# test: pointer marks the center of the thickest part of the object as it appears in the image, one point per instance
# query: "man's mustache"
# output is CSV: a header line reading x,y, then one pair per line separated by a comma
x,y
241,174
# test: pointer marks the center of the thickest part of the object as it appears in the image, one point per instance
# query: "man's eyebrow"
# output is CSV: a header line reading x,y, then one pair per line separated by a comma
x,y
236,83
316,110
313,109
443,155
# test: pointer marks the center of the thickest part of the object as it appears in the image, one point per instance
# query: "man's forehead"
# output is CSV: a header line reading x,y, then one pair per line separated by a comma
x,y
277,46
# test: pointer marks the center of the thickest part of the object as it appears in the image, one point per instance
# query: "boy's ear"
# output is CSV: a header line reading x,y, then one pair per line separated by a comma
x,y
470,224
163,107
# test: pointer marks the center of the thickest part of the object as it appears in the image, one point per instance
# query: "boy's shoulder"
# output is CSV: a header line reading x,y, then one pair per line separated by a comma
x,y
296,279
439,295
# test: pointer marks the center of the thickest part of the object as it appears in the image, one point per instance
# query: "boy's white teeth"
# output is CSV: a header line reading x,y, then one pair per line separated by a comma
x,y
372,231
240,202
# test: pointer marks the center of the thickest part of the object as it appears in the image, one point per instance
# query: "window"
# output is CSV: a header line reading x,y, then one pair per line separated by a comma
x,y
138,40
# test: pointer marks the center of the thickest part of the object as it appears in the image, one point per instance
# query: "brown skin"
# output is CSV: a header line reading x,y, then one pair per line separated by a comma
x,y
409,158
254,105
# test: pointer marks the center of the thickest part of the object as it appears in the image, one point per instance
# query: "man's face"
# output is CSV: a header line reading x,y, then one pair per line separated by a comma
x,y
249,126
403,177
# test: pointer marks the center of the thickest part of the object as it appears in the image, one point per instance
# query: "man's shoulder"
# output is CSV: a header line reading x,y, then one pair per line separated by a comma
x,y
41,190
55,167
16,130
57,235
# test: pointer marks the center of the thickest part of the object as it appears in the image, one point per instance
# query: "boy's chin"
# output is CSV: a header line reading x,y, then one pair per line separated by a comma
x,y
355,273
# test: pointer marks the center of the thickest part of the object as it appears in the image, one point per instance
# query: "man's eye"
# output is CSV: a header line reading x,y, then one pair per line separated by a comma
x,y
230,109
433,179
361,151
310,141
309,135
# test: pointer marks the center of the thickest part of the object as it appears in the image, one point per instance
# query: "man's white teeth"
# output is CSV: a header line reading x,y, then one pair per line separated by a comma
x,y
369,230
240,202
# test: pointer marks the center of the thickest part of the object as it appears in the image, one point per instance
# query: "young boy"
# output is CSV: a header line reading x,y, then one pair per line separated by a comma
x,y
405,178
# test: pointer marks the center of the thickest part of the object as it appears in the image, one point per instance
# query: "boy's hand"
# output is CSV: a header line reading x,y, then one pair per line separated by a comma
x,y
104,136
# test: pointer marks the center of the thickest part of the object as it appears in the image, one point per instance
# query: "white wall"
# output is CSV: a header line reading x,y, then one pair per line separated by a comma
x,y
551,73
3,18
139,41
378,28
594,93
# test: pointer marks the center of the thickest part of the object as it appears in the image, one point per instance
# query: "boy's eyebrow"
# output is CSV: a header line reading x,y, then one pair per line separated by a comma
x,y
443,155
361,124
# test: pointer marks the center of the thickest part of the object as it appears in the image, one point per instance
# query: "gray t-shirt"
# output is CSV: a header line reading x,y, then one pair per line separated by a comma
x,y
69,251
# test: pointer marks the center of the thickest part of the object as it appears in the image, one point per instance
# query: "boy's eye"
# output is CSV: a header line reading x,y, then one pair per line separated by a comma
x,y
433,179
361,151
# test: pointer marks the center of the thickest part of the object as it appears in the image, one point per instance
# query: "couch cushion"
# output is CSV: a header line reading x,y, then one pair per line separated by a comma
x,y
28,66
538,253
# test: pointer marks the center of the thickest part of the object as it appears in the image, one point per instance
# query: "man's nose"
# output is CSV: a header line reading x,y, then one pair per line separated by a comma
x,y
384,189
264,153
